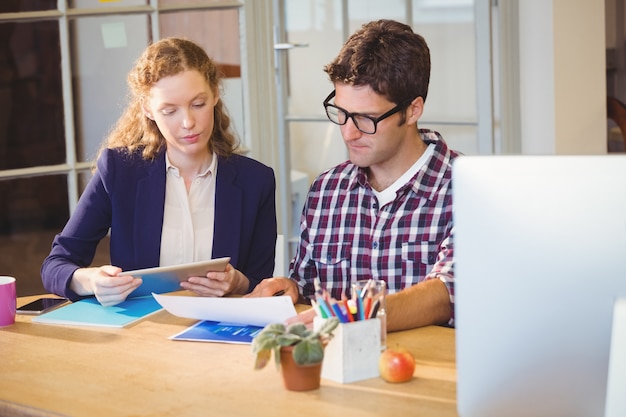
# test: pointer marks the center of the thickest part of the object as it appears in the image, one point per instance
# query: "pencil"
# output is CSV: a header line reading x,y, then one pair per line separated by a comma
x,y
318,286
366,287
324,308
337,310
344,301
368,304
318,310
359,307
375,307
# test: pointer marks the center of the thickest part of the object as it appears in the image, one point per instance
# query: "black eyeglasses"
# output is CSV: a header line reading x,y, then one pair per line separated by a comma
x,y
366,124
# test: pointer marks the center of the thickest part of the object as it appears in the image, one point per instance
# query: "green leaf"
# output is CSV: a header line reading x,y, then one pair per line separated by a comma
x,y
263,342
308,352
274,328
277,356
328,326
308,345
262,358
288,339
297,329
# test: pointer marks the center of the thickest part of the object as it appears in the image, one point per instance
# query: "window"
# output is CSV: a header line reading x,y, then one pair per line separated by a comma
x,y
62,87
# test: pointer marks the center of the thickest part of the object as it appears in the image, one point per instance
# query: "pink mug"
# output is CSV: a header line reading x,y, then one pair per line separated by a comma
x,y
8,300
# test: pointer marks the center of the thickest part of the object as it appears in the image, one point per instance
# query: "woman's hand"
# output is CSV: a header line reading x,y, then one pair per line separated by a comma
x,y
218,284
104,282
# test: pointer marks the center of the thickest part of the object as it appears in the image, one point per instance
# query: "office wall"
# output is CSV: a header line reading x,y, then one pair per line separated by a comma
x,y
562,77
562,83
449,32
106,48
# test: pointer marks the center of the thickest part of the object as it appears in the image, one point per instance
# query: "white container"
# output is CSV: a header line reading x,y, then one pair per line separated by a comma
x,y
352,354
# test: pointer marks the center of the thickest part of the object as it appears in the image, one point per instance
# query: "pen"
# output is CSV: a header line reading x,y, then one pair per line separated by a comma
x,y
338,312
277,293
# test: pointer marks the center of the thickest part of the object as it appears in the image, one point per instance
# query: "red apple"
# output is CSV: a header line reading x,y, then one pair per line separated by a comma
x,y
396,365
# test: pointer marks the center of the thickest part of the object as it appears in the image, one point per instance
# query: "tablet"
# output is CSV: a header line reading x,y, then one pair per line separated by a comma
x,y
162,279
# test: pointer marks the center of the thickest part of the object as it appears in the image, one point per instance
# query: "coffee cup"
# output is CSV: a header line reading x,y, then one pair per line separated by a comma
x,y
8,300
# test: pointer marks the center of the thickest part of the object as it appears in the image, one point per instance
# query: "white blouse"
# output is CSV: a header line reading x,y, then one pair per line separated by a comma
x,y
187,234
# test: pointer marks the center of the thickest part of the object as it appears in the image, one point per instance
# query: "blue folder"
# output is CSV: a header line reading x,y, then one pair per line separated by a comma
x,y
89,312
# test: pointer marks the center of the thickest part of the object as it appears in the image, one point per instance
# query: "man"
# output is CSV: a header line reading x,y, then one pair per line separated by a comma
x,y
387,212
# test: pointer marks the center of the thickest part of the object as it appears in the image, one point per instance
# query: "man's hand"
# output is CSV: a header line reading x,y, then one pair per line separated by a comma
x,y
305,317
277,285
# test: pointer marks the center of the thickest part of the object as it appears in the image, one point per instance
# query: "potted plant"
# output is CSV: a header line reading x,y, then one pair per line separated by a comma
x,y
298,352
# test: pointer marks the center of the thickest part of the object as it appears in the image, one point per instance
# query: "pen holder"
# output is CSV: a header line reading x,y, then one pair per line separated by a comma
x,y
353,353
372,294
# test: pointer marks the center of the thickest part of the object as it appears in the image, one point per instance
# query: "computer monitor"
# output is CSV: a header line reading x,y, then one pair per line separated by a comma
x,y
615,398
540,258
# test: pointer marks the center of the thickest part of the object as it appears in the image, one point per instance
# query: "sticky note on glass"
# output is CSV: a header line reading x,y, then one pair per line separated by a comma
x,y
114,35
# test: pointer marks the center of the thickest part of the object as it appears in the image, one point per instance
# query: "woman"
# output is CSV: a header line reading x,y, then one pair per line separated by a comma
x,y
170,188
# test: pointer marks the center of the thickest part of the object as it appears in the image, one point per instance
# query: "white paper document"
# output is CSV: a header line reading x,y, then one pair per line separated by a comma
x,y
254,311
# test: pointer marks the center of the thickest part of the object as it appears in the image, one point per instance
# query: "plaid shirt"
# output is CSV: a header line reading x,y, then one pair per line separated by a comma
x,y
346,237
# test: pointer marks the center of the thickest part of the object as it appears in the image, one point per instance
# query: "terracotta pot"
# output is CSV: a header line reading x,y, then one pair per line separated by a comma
x,y
296,377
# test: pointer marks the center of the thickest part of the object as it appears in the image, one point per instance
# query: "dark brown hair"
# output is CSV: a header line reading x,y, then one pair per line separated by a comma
x,y
387,56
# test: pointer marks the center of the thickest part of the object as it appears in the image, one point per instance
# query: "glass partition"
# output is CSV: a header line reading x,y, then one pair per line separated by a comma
x,y
31,121
104,4
112,45
46,67
13,6
217,32
321,25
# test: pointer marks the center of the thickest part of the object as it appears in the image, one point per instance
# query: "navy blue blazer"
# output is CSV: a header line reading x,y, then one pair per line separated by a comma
x,y
126,195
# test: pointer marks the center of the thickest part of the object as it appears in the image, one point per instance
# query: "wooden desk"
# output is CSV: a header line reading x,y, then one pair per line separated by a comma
x,y
137,371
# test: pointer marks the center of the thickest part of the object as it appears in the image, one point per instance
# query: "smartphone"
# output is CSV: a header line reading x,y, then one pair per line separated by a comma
x,y
40,306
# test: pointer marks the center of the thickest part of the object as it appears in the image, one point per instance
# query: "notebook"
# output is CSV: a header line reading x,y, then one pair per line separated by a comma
x,y
540,258
89,312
